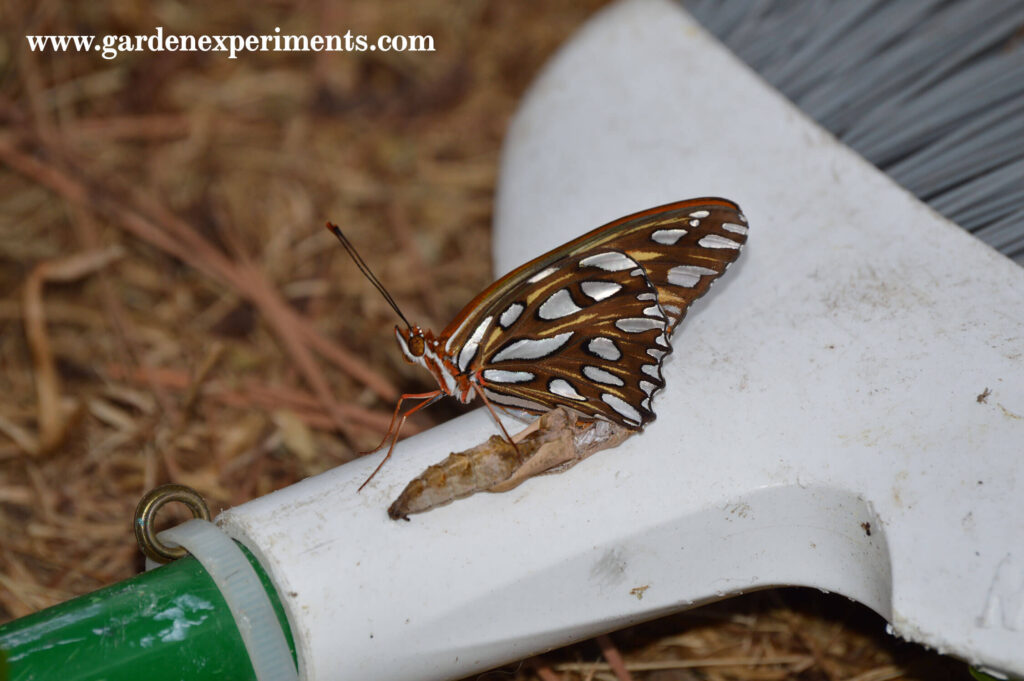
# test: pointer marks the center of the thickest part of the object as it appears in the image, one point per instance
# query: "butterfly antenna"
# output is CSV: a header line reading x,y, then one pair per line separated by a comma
x,y
366,270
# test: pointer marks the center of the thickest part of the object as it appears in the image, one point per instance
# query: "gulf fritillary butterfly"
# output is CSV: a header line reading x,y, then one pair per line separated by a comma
x,y
584,326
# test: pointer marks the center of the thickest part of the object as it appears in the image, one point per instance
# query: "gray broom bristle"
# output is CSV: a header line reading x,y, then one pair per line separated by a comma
x,y
930,91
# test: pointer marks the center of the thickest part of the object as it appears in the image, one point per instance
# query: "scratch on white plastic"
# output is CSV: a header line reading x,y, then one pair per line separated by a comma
x,y
1005,604
610,569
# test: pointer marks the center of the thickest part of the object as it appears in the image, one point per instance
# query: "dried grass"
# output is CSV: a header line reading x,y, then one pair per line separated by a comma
x,y
171,309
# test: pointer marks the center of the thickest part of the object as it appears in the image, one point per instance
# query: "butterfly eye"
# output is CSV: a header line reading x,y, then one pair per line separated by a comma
x,y
416,346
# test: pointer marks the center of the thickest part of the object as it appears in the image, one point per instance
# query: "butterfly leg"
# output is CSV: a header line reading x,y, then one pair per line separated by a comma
x,y
429,398
494,415
394,416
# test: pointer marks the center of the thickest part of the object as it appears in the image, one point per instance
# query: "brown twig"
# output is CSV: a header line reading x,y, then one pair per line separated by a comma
x,y
202,375
32,81
418,266
114,128
178,239
52,424
254,394
88,234
614,657
543,669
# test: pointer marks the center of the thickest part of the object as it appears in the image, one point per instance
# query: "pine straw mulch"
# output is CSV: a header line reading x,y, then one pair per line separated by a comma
x,y
172,309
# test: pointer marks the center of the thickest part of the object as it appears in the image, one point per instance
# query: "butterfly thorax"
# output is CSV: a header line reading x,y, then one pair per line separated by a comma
x,y
420,347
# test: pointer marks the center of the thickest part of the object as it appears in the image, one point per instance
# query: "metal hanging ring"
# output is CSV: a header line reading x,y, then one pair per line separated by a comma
x,y
145,514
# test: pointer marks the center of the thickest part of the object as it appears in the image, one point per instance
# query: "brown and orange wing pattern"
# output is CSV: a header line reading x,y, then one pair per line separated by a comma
x,y
588,324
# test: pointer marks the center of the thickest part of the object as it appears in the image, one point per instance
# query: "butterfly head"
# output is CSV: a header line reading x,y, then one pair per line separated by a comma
x,y
413,342
420,347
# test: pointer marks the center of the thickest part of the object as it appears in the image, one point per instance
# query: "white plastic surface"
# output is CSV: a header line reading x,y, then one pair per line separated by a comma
x,y
823,423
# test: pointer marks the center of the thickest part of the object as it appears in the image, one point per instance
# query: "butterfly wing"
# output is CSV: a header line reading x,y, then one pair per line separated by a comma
x,y
588,324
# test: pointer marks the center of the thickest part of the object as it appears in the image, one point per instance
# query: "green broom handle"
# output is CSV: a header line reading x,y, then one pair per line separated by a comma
x,y
167,624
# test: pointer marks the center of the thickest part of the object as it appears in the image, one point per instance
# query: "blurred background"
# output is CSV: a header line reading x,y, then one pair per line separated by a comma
x,y
171,308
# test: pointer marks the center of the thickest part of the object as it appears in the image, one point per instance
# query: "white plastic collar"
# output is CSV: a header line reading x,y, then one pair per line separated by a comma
x,y
241,587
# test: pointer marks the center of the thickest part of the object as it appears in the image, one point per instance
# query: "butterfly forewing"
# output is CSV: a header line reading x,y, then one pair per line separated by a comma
x,y
587,325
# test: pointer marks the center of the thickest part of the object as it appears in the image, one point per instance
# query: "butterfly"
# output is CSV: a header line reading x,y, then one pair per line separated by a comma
x,y
585,326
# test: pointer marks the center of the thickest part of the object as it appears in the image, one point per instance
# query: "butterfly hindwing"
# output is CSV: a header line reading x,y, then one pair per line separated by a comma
x,y
689,253
583,343
587,325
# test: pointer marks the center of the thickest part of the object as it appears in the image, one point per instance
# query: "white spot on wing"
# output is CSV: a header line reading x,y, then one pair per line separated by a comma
x,y
699,214
601,376
469,349
716,241
510,315
612,261
687,276
599,290
648,387
694,223
559,304
735,229
624,408
529,348
605,348
543,274
563,388
513,401
667,237
638,324
651,370
655,353
502,376
654,311
647,296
